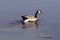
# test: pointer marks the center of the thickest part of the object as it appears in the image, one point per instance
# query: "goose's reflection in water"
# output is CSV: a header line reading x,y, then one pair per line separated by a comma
x,y
23,25
29,24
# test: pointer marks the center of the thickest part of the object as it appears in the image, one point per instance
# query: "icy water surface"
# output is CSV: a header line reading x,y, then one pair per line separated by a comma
x,y
46,28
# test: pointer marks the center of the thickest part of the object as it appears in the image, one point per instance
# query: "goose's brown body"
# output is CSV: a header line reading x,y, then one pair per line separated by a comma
x,y
27,18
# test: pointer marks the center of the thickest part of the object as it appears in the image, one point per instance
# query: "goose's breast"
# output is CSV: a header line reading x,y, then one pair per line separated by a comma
x,y
33,19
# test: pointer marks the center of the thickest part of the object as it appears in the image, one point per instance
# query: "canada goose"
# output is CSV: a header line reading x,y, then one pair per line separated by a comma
x,y
30,18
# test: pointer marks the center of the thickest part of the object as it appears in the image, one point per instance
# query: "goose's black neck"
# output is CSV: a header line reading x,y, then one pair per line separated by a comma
x,y
36,15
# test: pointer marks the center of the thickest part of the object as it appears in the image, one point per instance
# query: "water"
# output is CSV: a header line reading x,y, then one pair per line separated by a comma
x,y
48,25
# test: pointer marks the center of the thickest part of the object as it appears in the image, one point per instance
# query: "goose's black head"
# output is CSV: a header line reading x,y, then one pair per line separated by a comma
x,y
39,11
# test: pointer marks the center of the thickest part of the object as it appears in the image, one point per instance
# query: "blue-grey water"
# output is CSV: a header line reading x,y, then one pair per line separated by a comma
x,y
48,25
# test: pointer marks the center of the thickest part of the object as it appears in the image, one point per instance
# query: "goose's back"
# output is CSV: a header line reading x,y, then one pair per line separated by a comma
x,y
29,16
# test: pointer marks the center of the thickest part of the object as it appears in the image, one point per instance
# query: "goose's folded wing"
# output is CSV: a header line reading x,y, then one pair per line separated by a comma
x,y
29,16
